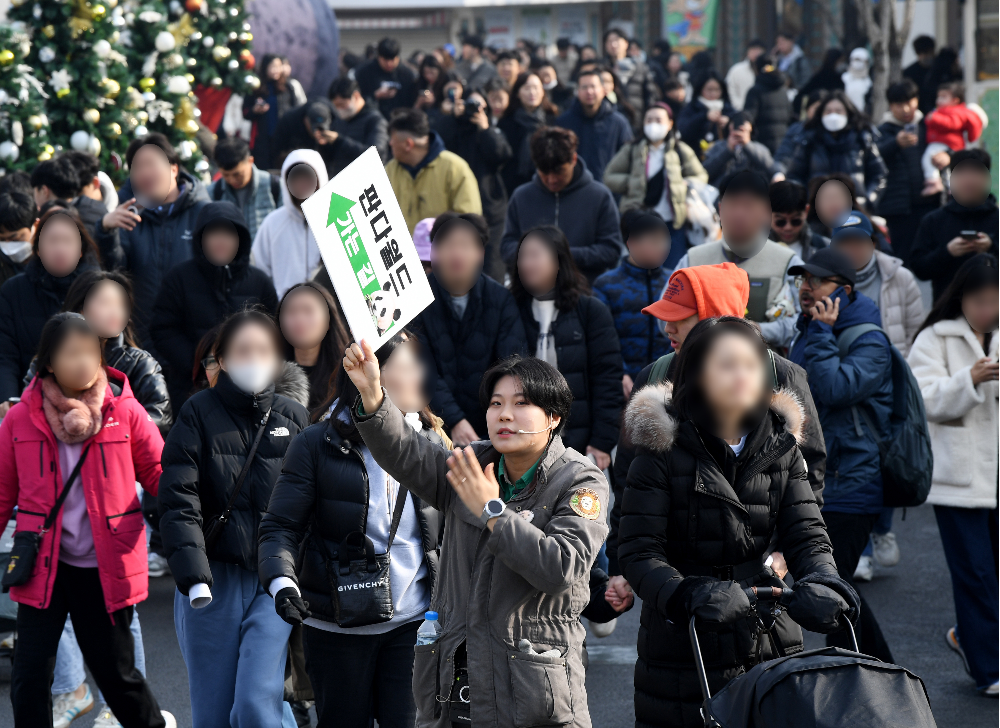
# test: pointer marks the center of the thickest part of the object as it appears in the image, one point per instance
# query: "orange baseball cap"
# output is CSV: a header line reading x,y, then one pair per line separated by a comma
x,y
706,290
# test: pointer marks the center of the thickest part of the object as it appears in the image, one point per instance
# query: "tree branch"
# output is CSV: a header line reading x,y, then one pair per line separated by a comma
x,y
909,9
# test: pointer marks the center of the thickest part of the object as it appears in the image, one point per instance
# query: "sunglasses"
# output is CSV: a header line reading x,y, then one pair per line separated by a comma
x,y
781,222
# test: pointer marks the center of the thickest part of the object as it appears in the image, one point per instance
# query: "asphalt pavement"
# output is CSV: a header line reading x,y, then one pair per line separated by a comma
x,y
912,601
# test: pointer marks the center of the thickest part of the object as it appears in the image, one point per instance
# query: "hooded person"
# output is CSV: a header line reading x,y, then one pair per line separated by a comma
x,y
284,247
694,294
200,293
857,81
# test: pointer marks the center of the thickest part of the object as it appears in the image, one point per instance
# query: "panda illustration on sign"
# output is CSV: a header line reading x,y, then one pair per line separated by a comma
x,y
382,305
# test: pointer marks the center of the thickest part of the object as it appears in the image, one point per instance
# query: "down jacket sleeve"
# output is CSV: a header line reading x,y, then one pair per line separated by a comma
x,y
605,370
913,312
607,246
147,447
813,445
947,396
801,531
180,502
289,513
840,383
616,174
10,366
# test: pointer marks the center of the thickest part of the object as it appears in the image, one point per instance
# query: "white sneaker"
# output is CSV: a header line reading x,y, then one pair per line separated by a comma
x,y
865,570
106,719
158,565
169,718
990,691
66,707
603,629
885,549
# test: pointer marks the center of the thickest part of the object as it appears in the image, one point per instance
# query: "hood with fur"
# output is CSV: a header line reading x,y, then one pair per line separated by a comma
x,y
649,423
293,383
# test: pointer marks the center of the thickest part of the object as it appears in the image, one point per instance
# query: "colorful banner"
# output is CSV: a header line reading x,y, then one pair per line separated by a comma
x,y
368,251
689,25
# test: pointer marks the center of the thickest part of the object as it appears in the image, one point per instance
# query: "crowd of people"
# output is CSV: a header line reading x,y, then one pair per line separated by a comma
x,y
675,313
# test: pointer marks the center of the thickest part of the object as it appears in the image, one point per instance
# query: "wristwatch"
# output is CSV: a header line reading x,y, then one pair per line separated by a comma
x,y
493,508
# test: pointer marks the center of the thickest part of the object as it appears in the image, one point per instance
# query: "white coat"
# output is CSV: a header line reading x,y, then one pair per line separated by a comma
x,y
962,417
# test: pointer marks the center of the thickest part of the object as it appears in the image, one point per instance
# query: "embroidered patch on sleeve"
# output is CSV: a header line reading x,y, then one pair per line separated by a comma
x,y
586,503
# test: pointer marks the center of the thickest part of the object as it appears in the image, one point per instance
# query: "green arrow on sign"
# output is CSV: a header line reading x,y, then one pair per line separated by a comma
x,y
339,208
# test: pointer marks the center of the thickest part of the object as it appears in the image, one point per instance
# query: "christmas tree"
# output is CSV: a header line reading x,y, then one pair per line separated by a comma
x,y
156,45
75,54
222,45
23,124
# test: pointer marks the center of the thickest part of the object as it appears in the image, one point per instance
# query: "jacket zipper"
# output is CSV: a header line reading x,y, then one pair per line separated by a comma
x,y
556,223
104,462
41,459
767,459
126,513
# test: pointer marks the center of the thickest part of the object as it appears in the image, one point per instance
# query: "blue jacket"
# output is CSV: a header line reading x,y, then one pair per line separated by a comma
x,y
601,135
864,378
626,290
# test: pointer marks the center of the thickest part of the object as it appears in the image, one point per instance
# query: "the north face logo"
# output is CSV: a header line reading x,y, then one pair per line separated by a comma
x,y
279,432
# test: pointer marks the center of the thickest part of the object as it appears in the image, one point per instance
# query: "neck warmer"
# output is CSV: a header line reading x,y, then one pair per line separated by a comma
x,y
74,420
867,273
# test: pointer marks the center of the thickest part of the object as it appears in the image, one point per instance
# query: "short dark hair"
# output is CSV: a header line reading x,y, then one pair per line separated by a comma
x,y
16,180
86,166
902,91
411,121
155,139
343,87
551,147
746,182
563,43
230,151
476,41
672,84
570,282
447,220
496,84
755,43
256,315
789,32
509,56
688,399
17,210
55,331
788,196
388,48
970,155
923,44
88,248
613,31
541,384
76,296
955,88
739,119
59,175
591,70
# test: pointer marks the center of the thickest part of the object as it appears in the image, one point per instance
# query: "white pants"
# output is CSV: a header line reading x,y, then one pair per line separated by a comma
x,y
933,149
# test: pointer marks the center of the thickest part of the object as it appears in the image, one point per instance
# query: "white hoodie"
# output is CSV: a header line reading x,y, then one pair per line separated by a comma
x,y
285,248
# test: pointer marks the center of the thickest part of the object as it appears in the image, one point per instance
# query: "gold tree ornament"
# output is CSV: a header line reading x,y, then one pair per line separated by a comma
x,y
221,53
6,57
97,12
49,31
91,116
184,119
114,129
110,88
147,83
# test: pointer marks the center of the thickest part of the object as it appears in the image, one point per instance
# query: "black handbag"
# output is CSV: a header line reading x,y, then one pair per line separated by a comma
x,y
21,562
213,529
362,593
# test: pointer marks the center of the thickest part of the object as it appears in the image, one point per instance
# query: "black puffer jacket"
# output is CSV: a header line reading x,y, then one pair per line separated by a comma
x,y
768,105
852,152
323,489
905,179
461,350
488,154
692,508
202,457
812,444
590,358
197,295
695,127
26,302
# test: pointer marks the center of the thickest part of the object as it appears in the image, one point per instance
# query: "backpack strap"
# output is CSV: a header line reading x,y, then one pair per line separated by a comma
x,y
848,336
275,189
658,374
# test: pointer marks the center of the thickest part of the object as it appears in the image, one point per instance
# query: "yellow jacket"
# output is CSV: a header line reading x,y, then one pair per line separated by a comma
x,y
446,183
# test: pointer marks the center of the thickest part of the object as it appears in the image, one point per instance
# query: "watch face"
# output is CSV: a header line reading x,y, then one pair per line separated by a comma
x,y
494,507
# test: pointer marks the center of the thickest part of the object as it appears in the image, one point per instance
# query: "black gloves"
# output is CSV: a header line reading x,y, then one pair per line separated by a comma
x,y
712,601
290,606
818,601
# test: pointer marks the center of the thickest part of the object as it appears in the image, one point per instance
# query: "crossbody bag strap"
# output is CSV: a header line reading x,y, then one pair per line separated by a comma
x,y
246,469
51,518
397,515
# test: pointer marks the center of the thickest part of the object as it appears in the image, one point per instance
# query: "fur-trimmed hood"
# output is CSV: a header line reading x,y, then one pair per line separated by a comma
x,y
650,425
293,383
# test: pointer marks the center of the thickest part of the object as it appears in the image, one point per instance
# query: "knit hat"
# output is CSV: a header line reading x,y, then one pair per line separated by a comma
x,y
422,239
706,290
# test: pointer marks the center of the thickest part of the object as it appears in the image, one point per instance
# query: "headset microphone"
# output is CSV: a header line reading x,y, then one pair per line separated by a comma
x,y
535,432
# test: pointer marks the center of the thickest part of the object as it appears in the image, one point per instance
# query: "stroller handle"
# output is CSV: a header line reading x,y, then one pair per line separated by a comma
x,y
774,593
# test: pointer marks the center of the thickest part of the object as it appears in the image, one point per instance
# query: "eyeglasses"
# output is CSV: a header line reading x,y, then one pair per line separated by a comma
x,y
781,222
209,362
813,281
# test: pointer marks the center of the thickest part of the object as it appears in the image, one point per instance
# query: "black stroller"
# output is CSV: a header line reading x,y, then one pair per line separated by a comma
x,y
825,688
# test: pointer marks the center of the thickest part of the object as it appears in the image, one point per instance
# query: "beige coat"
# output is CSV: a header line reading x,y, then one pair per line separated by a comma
x,y
625,175
962,417
527,579
899,302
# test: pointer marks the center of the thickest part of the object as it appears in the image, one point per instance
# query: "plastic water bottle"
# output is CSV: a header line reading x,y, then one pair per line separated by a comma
x,y
430,630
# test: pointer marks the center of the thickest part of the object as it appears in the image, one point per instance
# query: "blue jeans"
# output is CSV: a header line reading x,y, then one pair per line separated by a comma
x,y
882,526
968,548
69,673
235,651
678,247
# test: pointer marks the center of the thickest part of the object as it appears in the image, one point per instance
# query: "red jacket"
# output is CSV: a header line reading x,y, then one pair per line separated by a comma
x,y
125,450
947,123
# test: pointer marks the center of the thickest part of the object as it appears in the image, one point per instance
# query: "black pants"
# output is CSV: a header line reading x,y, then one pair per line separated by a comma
x,y
849,534
358,677
493,266
105,641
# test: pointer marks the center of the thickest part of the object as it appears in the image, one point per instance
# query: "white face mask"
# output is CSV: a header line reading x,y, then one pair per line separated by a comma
x,y
17,251
655,132
345,114
613,97
712,104
834,122
251,377
551,84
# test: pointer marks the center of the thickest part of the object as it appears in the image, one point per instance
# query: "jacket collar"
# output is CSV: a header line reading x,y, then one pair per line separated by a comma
x,y
959,328
959,209
442,297
640,274
434,149
32,396
239,402
887,264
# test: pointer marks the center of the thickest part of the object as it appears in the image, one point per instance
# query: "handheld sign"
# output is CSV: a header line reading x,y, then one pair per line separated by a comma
x,y
368,251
